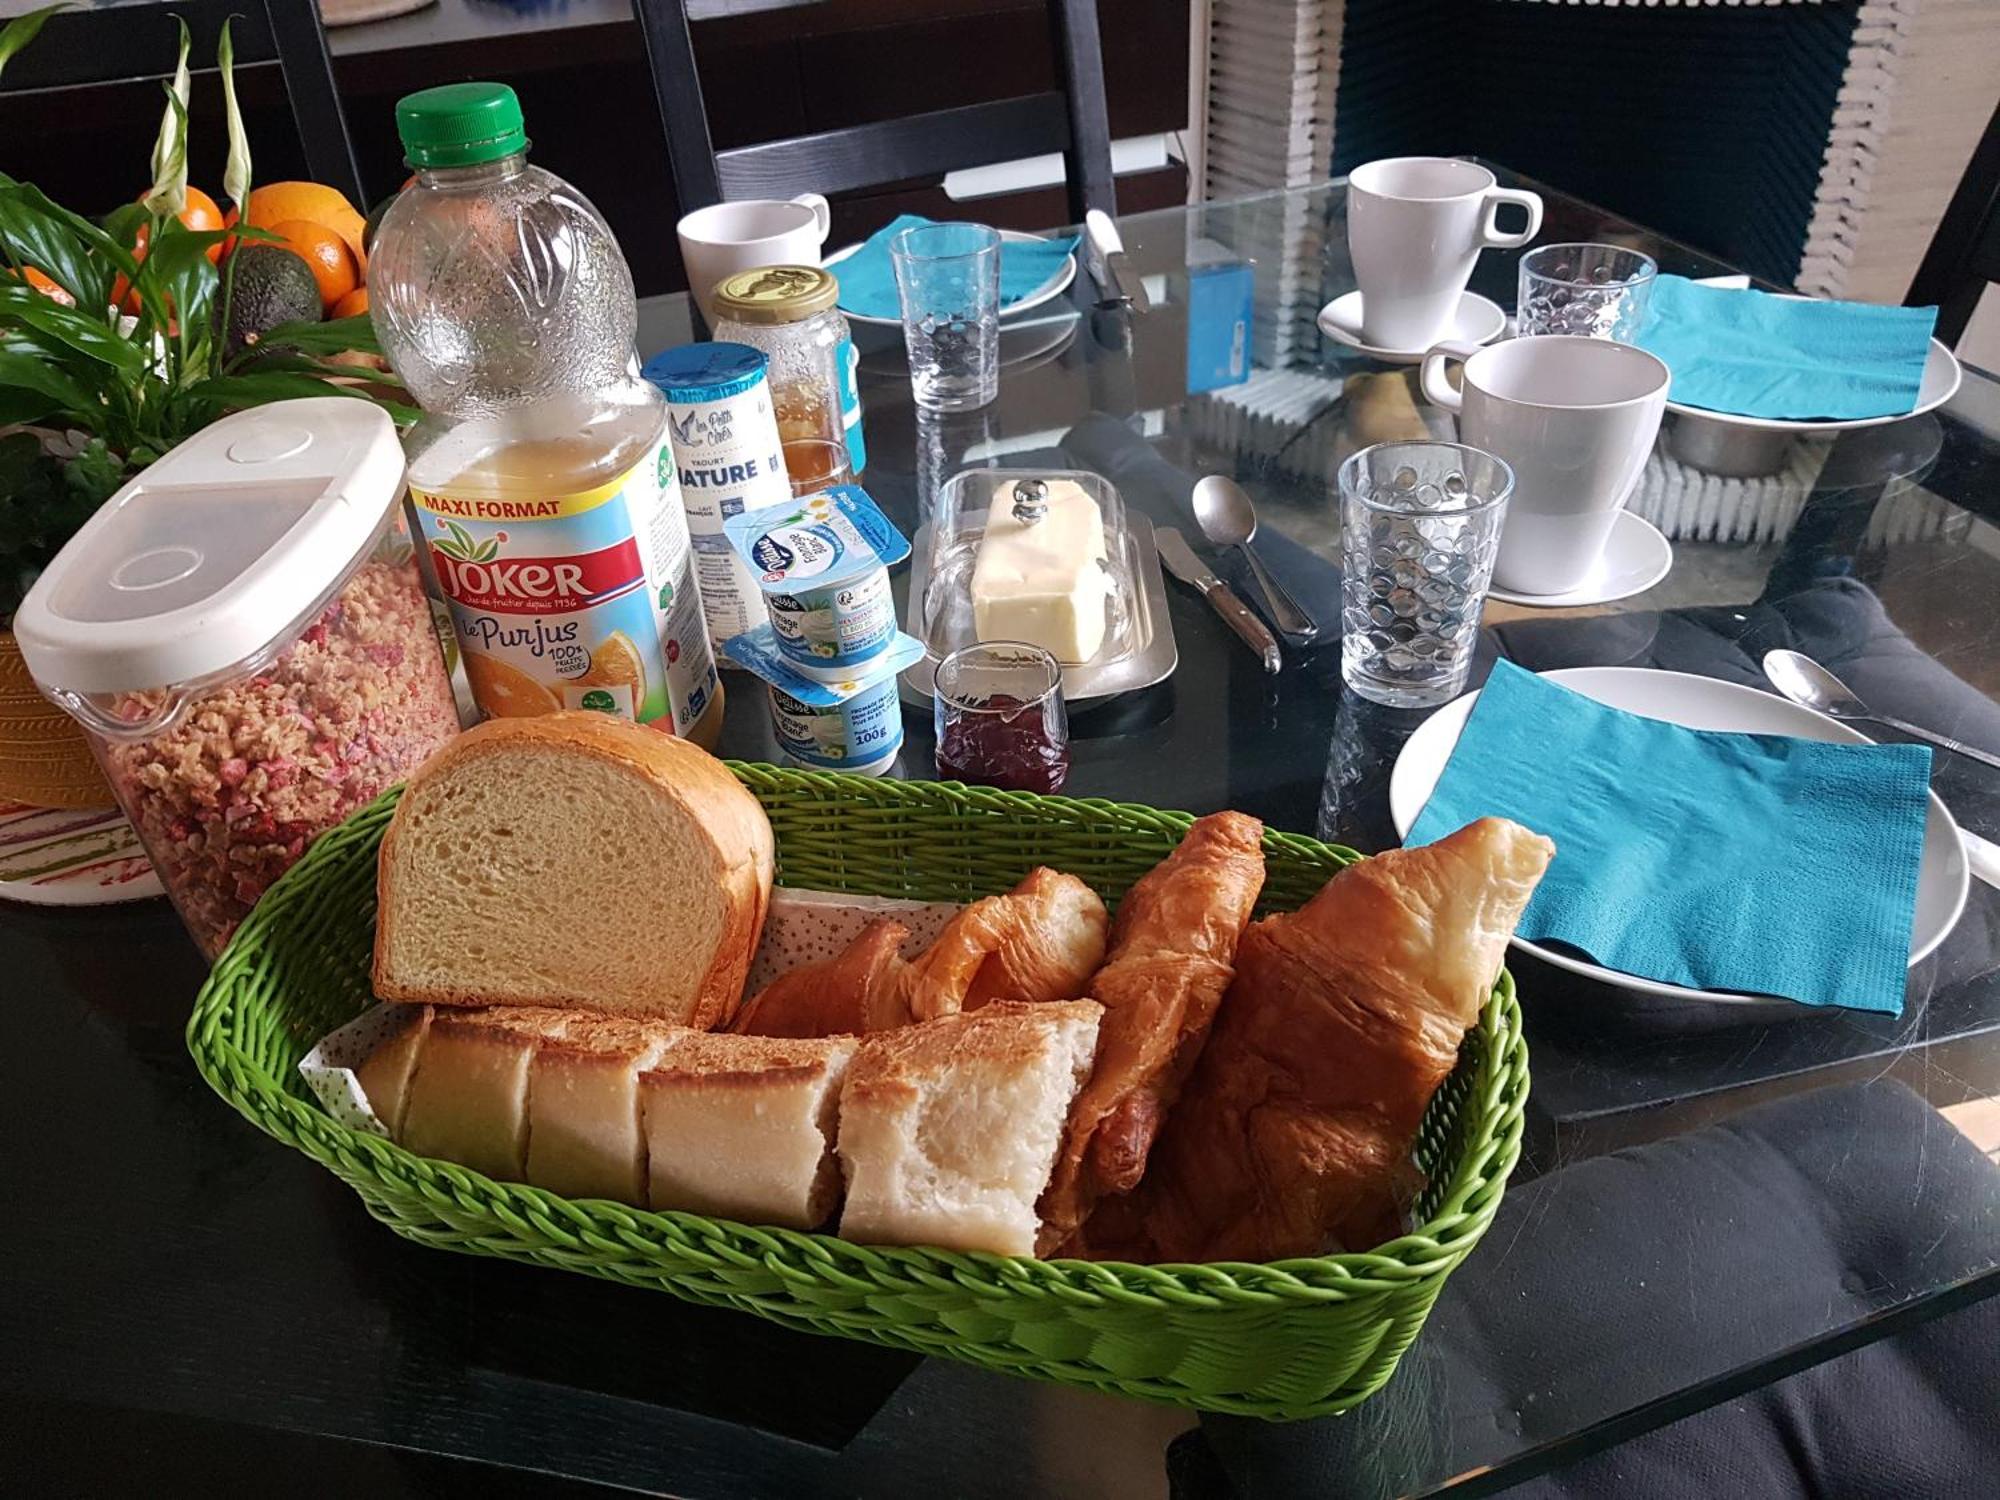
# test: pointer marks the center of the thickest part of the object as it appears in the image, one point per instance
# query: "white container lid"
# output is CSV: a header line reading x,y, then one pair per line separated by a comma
x,y
204,560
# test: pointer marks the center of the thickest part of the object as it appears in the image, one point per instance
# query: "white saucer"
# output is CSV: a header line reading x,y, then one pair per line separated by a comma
x,y
1636,556
1697,703
1479,320
55,857
1058,281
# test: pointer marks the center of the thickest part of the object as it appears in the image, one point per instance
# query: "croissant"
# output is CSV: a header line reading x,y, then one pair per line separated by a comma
x,y
1295,1129
1172,950
1040,941
857,990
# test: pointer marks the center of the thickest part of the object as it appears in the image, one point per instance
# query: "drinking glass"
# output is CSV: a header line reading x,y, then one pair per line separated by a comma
x,y
1600,291
948,277
1000,719
1419,528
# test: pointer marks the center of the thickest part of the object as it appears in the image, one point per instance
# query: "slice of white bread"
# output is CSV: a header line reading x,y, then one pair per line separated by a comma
x,y
468,1094
384,1074
576,860
949,1129
584,1133
742,1127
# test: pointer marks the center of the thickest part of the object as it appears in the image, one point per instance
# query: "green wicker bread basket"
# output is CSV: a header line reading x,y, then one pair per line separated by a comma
x,y
1291,1339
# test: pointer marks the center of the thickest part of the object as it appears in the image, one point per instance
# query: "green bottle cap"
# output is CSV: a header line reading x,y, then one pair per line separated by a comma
x,y
460,125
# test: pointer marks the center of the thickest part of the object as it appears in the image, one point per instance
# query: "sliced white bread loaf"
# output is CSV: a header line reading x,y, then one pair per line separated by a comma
x,y
742,1127
384,1074
573,860
467,1099
949,1129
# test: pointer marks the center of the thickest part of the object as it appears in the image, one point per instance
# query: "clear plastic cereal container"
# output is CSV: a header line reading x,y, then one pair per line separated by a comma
x,y
243,633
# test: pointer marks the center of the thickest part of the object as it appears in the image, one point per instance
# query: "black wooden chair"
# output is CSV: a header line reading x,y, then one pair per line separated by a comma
x,y
1070,118
1964,254
121,43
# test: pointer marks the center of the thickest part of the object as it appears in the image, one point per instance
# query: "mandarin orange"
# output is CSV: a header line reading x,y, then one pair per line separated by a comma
x,y
332,263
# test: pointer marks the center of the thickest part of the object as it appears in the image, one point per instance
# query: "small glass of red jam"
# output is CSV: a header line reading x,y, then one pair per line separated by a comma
x,y
1000,718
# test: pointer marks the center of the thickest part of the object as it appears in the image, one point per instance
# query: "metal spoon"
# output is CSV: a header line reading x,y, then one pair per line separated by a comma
x,y
1228,519
1805,681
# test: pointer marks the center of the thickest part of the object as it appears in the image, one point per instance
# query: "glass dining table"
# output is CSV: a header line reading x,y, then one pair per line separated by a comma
x,y
1711,1198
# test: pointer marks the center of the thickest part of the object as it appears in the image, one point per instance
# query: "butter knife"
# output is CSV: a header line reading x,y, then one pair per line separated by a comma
x,y
1189,569
1109,266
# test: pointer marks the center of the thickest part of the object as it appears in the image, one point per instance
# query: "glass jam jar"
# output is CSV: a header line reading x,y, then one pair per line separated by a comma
x,y
1000,718
791,313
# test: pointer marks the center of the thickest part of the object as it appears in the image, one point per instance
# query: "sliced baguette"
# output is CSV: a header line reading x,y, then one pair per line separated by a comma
x,y
584,1134
384,1074
743,1127
468,1094
577,860
949,1129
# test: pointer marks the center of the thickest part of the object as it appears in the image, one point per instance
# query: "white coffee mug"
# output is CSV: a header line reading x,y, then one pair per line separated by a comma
x,y
1415,226
728,237
1576,419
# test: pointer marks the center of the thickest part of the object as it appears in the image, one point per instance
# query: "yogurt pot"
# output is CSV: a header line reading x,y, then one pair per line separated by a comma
x,y
853,725
731,459
823,562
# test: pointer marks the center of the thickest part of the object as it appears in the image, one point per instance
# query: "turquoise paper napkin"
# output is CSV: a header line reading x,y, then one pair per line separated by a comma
x,y
1756,355
868,280
1718,861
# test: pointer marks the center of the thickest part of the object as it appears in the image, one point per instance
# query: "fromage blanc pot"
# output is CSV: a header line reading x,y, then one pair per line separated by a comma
x,y
852,725
823,565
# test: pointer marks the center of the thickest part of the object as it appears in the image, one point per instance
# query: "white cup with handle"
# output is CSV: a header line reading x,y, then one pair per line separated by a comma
x,y
724,238
1415,227
1576,420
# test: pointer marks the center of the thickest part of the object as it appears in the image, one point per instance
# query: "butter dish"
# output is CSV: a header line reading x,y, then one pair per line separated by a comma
x,y
1047,556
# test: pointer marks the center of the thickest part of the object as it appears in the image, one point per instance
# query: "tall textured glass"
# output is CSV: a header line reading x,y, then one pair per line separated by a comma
x,y
1598,291
948,277
1419,528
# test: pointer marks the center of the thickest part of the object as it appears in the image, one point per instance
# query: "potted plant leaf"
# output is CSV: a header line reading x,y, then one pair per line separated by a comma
x,y
120,338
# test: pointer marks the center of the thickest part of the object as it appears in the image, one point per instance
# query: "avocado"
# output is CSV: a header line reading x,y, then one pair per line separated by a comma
x,y
272,286
375,221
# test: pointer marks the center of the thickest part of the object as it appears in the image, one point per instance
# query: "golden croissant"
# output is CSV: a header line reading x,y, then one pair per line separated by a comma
x,y
1294,1132
1171,956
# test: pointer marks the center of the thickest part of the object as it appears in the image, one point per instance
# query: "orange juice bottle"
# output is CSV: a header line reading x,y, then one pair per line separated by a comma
x,y
541,479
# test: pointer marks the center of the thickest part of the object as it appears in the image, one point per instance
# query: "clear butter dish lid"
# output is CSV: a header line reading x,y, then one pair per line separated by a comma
x,y
1037,555
207,564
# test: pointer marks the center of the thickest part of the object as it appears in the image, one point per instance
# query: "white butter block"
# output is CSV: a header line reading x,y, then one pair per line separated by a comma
x,y
1043,582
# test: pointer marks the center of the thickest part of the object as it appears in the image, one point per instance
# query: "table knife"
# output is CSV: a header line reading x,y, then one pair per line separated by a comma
x,y
1110,268
1189,569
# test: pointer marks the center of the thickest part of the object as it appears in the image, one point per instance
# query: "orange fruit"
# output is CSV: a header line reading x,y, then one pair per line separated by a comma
x,y
616,663
505,691
325,252
200,213
46,287
353,305
277,203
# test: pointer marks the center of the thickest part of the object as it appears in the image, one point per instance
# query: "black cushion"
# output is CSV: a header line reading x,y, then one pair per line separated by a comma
x,y
1622,1279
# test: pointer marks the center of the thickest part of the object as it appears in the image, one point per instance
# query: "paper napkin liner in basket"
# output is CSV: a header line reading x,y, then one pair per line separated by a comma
x,y
802,927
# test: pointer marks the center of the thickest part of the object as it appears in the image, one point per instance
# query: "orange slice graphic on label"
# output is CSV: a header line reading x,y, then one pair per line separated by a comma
x,y
505,691
616,663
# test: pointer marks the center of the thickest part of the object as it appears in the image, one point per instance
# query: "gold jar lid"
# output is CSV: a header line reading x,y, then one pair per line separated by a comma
x,y
776,294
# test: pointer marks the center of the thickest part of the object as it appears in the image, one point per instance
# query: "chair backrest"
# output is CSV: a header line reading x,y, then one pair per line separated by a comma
x,y
130,42
1964,254
1070,119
